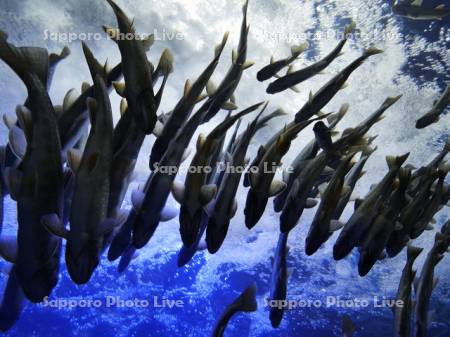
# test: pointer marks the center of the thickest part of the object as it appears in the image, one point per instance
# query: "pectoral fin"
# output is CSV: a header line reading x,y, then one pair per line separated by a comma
x,y
137,199
311,203
335,225
17,141
178,191
207,193
276,187
54,225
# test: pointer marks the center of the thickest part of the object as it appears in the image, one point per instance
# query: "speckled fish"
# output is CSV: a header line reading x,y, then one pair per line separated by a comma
x,y
195,193
384,224
182,110
324,223
137,72
224,206
426,283
262,185
278,279
415,11
307,153
246,302
274,67
353,231
321,98
403,314
438,109
293,78
149,204
231,80
88,217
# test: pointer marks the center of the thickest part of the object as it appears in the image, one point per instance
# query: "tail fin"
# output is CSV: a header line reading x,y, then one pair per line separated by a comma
x,y
25,60
390,101
349,29
404,176
337,117
396,162
247,300
413,252
298,49
166,62
219,48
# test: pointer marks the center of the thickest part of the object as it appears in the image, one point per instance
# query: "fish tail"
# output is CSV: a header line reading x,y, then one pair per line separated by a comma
x,y
349,28
396,162
298,49
413,252
247,300
404,175
391,101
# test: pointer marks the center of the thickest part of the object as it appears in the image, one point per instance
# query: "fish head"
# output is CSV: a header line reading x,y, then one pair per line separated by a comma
x,y
82,257
311,246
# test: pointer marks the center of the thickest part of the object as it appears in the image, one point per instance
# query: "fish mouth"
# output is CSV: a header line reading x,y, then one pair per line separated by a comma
x,y
339,252
82,267
310,248
215,235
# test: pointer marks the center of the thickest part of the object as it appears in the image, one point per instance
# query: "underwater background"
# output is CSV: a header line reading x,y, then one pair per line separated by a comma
x,y
415,64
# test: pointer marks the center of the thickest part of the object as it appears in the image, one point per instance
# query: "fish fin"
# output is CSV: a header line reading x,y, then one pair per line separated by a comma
x,y
200,98
335,225
233,55
178,191
9,120
429,227
123,106
24,119
346,189
84,87
148,42
8,248
158,129
276,187
311,203
113,33
17,141
322,188
53,224
440,7
200,141
372,51
358,203
186,154
229,106
70,97
168,213
120,88
295,89
207,193
416,3
137,199
106,226
95,68
211,88
74,159
187,87
13,179
298,49
247,64
413,252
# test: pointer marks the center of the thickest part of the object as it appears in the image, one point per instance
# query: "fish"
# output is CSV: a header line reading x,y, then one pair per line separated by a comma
x,y
415,11
246,302
195,193
321,98
278,279
137,72
425,284
182,110
88,217
324,224
384,224
229,83
431,208
323,137
274,67
73,121
224,206
293,78
37,186
410,215
262,185
436,111
300,161
12,302
353,231
403,313
348,327
298,198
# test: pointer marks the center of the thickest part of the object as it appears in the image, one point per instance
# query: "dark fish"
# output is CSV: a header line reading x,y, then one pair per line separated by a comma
x,y
274,67
246,302
415,11
262,183
433,115
324,223
224,206
296,77
195,193
353,231
278,279
384,224
137,73
348,327
403,314
12,303
321,98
